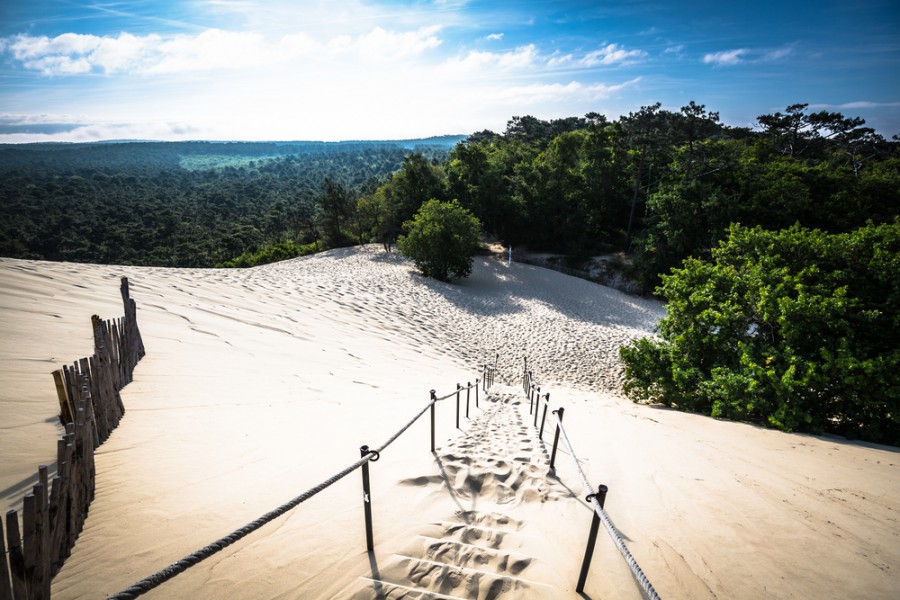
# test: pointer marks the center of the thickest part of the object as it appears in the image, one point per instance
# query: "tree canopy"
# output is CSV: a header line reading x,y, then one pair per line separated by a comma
x,y
441,239
794,329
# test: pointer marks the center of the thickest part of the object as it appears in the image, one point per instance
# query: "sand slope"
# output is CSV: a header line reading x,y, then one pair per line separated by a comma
x,y
260,383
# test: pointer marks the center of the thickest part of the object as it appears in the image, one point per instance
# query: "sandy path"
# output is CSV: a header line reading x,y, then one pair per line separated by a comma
x,y
259,383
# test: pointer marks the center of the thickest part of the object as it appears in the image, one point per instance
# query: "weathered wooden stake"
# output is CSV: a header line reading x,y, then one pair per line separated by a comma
x,y
6,592
16,557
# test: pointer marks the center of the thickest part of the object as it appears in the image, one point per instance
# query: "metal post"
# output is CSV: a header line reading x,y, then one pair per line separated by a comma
x,y
367,499
458,387
476,393
433,401
537,405
531,400
559,413
544,418
468,393
592,537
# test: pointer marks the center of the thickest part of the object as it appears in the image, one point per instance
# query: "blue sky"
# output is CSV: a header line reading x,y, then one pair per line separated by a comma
x,y
317,70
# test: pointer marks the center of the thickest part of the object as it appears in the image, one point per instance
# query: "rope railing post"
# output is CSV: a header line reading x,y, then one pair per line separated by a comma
x,y
525,381
544,418
537,405
559,415
468,394
367,497
458,387
600,497
476,393
433,402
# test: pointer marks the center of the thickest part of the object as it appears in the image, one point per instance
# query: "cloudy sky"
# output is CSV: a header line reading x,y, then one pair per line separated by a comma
x,y
367,69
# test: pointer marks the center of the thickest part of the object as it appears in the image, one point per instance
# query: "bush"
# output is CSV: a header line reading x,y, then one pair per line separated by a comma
x,y
269,254
793,329
442,239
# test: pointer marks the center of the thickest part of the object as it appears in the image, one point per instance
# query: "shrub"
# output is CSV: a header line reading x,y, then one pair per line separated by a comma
x,y
793,329
442,239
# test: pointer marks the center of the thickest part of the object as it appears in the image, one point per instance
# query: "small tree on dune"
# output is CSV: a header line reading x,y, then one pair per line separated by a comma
x,y
442,239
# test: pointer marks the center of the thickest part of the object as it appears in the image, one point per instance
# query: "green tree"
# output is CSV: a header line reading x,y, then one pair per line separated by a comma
x,y
794,329
441,239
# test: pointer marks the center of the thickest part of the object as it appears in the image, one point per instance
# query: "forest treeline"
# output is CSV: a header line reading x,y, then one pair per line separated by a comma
x,y
660,185
185,204
657,184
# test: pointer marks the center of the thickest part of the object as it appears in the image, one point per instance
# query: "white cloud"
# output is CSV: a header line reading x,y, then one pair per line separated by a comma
x,y
855,105
559,60
610,55
551,93
779,53
727,57
522,57
674,49
212,49
494,36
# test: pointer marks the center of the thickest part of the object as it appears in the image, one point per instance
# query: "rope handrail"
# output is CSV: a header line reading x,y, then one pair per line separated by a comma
x,y
636,570
148,583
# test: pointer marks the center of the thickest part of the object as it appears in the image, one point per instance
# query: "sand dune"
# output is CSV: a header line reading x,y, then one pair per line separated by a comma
x,y
260,383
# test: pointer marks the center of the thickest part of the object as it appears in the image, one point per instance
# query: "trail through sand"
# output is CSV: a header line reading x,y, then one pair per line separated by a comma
x,y
260,383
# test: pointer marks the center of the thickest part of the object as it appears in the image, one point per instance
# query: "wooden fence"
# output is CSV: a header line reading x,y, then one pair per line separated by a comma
x,y
53,514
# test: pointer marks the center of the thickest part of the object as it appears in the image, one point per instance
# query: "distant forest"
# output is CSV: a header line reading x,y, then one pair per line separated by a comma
x,y
657,185
180,204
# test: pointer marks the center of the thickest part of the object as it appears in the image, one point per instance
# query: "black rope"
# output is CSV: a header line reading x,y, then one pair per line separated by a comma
x,y
145,585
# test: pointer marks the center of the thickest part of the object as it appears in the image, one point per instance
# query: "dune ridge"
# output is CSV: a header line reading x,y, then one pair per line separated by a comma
x,y
259,383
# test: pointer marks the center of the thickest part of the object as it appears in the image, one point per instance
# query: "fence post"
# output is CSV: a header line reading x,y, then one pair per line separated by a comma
x,y
531,400
367,498
559,413
458,387
476,393
525,372
592,537
468,393
544,418
537,405
5,584
433,401
16,556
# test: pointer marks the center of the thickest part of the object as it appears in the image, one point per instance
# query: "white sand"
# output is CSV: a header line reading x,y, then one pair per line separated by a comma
x,y
260,383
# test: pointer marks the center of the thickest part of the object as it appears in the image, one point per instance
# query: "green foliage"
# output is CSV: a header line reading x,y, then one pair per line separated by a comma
x,y
270,253
794,329
383,212
133,203
442,239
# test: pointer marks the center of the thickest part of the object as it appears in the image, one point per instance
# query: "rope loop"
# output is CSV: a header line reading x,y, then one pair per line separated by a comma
x,y
374,455
590,497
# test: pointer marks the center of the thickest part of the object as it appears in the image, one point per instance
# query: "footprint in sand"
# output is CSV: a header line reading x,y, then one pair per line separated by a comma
x,y
476,554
